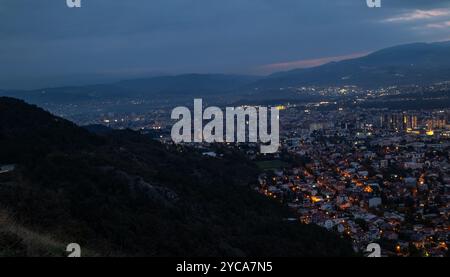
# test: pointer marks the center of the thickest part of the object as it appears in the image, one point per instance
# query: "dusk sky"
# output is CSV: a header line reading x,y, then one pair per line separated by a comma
x,y
44,43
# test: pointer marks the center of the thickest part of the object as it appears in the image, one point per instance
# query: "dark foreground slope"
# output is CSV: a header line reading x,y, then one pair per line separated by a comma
x,y
124,194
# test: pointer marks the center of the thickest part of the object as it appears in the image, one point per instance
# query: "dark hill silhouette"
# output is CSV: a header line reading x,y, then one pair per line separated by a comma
x,y
122,193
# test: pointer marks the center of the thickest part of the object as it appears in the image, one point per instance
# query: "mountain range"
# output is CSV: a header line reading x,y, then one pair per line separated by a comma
x,y
418,63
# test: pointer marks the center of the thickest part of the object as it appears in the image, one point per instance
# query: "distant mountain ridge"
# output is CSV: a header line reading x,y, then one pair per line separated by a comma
x,y
418,63
188,82
190,85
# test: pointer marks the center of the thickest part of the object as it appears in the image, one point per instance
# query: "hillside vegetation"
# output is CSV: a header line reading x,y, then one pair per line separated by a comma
x,y
123,194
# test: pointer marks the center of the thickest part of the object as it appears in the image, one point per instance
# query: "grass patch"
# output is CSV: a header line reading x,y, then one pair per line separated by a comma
x,y
19,241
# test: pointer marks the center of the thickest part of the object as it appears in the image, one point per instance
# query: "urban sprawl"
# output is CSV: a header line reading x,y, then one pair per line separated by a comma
x,y
371,174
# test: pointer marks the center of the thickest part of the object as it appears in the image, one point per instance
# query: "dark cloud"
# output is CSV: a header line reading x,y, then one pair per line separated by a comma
x,y
43,42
